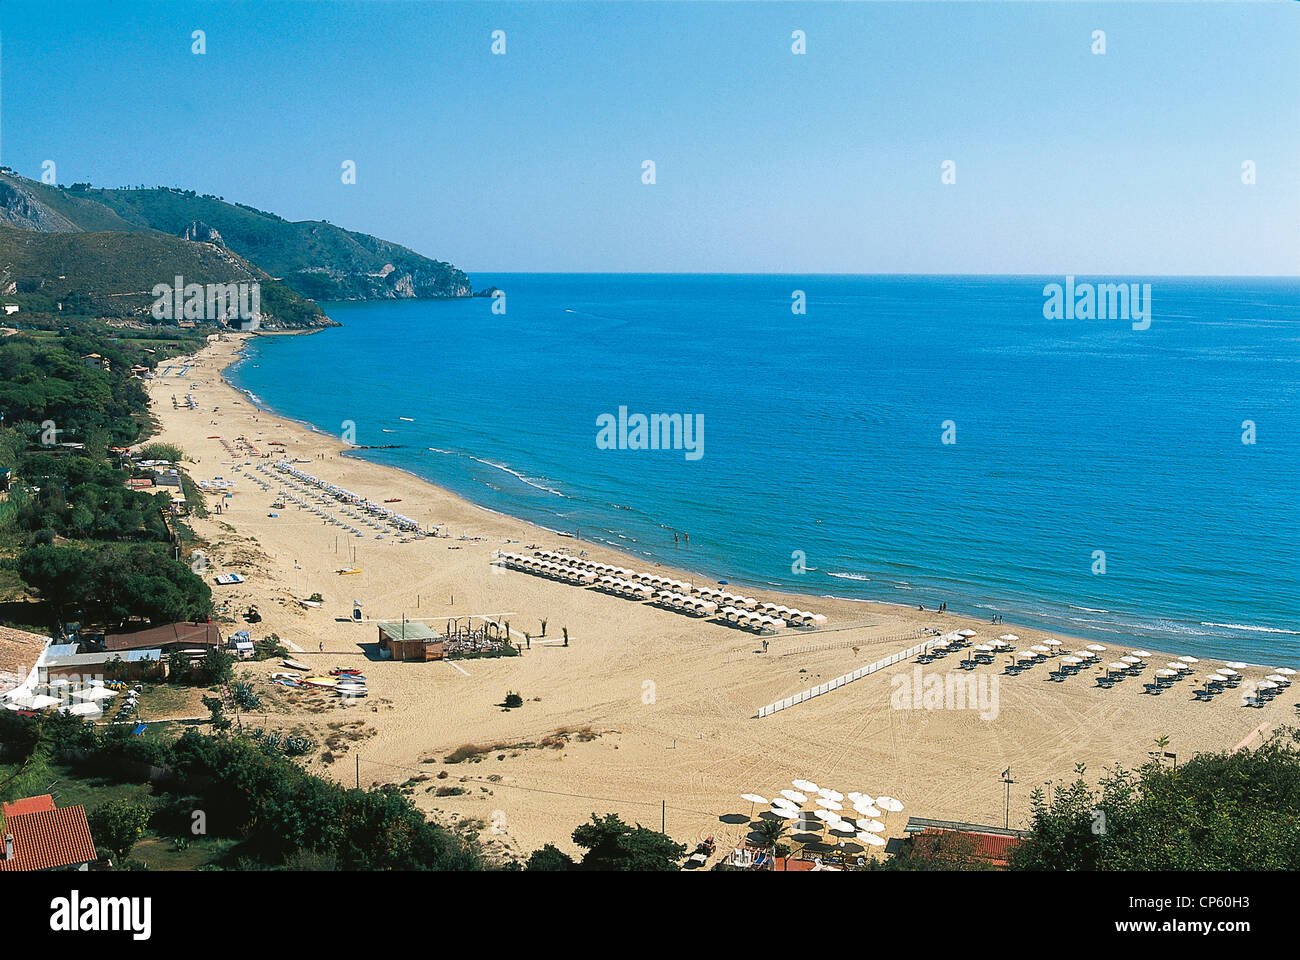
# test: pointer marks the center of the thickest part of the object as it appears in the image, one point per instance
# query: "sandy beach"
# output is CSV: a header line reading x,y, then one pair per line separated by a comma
x,y
659,707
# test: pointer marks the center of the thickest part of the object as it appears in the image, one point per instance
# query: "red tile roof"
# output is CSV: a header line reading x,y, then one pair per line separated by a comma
x,y
49,839
27,805
990,847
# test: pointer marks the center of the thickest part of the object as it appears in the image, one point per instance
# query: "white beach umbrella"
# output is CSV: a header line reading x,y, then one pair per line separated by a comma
x,y
854,796
1187,659
1227,672
1166,672
829,804
806,785
889,804
829,794
753,797
1009,637
983,648
794,795
867,810
871,839
1278,678
1141,653
999,643
1266,685
843,827
1041,648
871,826
1054,642
1072,659
1236,664
968,633
1285,671
828,816
1130,660
785,813
1096,647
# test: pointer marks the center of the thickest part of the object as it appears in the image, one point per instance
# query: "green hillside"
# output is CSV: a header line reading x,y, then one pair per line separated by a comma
x,y
317,259
113,274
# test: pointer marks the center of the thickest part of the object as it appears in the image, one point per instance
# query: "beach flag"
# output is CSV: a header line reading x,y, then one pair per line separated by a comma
x,y
1006,773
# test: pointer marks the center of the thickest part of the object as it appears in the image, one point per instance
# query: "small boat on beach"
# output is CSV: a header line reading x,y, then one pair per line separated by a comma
x,y
393,500
295,665
320,681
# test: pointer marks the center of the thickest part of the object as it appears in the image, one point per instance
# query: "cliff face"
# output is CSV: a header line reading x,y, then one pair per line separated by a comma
x,y
394,282
19,208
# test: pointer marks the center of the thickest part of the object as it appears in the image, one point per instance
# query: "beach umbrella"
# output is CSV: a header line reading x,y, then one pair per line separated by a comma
x,y
829,804
871,826
1227,672
889,804
1166,672
868,810
1130,660
805,785
983,648
1054,643
828,816
968,633
843,827
854,796
997,643
785,813
1286,671
753,797
872,839
829,794
1236,664
1278,678
1141,653
1187,659
1072,659
1266,685
1096,647
794,795
1041,648
1009,637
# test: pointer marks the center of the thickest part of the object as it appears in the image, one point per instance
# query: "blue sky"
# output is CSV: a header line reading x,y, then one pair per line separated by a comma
x,y
1066,162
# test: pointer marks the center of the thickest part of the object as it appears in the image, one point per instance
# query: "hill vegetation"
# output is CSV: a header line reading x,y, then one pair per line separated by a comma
x,y
314,258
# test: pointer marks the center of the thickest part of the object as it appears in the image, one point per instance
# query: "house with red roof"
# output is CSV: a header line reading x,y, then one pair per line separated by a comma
x,y
949,839
40,836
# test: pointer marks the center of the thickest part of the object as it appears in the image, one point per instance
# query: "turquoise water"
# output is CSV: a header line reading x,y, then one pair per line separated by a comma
x,y
823,434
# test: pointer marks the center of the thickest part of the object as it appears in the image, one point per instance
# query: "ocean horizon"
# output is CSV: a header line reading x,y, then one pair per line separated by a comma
x,y
908,439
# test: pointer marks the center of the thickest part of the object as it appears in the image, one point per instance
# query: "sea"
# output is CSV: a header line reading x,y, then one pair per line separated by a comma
x,y
909,440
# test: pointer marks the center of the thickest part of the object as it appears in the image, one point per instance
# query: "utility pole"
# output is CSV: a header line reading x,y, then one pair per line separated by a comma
x,y
1006,779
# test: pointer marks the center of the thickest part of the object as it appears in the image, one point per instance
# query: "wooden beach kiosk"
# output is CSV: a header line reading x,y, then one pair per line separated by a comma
x,y
408,640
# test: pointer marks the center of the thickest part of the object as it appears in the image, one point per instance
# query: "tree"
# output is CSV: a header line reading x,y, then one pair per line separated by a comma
x,y
772,831
117,825
550,858
612,844
1218,811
